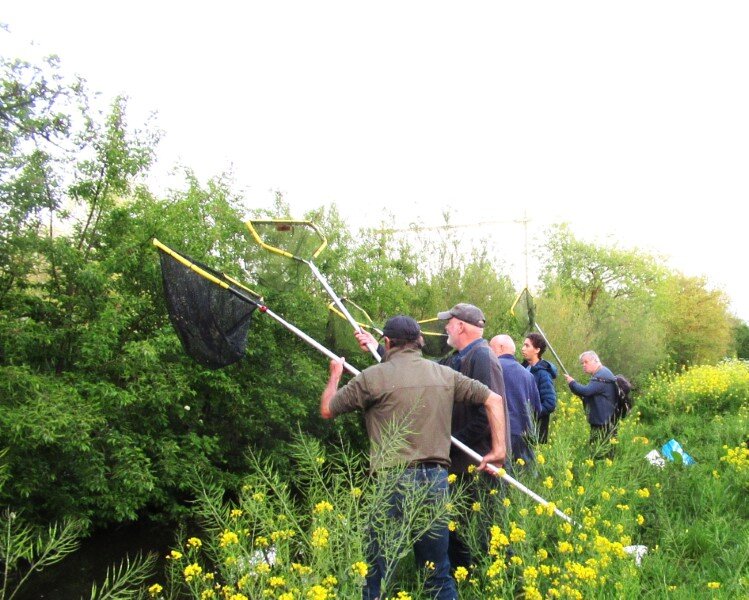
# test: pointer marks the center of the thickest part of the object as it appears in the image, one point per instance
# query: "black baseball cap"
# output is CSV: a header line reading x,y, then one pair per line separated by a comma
x,y
401,327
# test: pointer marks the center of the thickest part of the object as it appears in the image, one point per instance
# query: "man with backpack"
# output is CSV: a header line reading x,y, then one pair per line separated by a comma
x,y
600,399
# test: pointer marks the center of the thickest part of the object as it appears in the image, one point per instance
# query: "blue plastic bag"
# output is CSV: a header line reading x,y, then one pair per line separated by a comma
x,y
672,446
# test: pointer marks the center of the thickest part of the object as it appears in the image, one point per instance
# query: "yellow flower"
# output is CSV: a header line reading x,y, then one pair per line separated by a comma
x,y
322,507
429,565
261,541
640,519
258,496
286,596
356,492
549,482
320,537
262,569
452,525
589,463
517,534
501,472
318,592
235,513
605,495
471,469
191,571
565,547
516,560
174,555
238,597
643,493
542,554
540,459
360,568
228,538
476,507
520,462
194,542
713,585
580,490
403,596
460,574
320,460
330,581
155,590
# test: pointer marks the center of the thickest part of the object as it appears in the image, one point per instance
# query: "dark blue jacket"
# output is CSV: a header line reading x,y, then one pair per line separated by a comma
x,y
544,372
599,397
522,394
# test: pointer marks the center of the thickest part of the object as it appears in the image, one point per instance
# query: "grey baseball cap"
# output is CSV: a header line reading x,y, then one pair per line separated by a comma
x,y
465,312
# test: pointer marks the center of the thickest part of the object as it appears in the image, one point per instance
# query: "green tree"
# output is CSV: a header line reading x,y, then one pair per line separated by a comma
x,y
696,319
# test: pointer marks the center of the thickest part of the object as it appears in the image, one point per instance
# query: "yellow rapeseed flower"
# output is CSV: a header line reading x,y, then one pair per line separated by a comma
x,y
155,590
174,555
194,542
640,519
276,582
301,569
476,507
360,568
322,507
228,538
540,459
236,512
356,492
191,571
320,537
262,569
517,534
429,565
258,496
713,585
506,502
452,478
461,573
549,482
643,493
471,469
452,525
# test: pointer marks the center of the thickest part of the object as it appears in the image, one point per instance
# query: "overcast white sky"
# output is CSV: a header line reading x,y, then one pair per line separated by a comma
x,y
624,119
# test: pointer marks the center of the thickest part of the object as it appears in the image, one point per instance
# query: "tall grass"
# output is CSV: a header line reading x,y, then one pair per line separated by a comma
x,y
300,534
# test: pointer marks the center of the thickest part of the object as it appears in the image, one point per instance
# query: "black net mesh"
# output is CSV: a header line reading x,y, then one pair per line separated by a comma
x,y
524,310
299,239
211,322
435,338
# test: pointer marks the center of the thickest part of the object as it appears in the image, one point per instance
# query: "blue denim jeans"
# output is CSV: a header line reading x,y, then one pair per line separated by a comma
x,y
430,548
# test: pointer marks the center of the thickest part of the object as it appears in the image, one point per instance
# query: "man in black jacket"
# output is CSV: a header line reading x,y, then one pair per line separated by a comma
x,y
473,358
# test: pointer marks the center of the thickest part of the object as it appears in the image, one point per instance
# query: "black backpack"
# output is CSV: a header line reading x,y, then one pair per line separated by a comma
x,y
624,402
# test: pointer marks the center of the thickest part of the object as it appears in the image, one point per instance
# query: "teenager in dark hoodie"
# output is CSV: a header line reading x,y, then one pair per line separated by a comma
x,y
544,373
